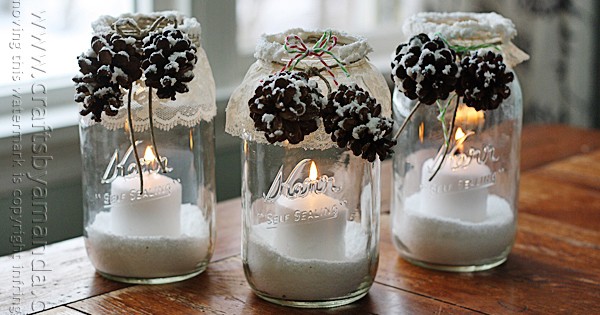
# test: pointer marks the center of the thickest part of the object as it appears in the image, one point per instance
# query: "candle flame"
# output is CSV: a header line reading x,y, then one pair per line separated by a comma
x,y
149,155
469,116
313,173
460,137
459,134
421,132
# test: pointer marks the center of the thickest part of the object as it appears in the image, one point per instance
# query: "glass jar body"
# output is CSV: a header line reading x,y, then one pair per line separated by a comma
x,y
310,238
464,218
163,233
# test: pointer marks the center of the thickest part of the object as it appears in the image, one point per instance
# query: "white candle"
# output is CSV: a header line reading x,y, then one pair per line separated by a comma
x,y
457,191
311,227
154,212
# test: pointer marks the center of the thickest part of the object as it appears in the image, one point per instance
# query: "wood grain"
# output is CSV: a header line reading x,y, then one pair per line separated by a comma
x,y
222,289
542,144
72,276
581,170
567,191
544,271
556,258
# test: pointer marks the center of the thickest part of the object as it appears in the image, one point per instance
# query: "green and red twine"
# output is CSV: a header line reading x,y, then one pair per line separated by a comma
x,y
295,45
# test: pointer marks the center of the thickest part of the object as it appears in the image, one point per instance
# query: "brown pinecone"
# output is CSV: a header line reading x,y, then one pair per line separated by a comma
x,y
354,120
484,80
286,106
425,69
169,59
113,62
119,57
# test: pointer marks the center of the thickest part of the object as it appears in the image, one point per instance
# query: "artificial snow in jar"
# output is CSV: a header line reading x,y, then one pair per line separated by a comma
x,y
456,168
147,142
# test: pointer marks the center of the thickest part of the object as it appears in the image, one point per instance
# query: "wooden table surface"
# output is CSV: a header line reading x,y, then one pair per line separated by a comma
x,y
554,267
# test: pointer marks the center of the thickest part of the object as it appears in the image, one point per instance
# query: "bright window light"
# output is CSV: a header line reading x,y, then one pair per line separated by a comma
x,y
367,18
67,34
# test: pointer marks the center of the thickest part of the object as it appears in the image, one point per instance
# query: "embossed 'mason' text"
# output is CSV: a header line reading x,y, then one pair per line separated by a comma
x,y
292,188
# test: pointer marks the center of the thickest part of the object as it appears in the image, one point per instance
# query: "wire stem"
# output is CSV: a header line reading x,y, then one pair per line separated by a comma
x,y
132,140
406,120
154,147
314,71
447,141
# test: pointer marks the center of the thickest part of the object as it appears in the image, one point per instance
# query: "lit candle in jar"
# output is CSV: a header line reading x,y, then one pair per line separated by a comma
x,y
459,189
469,117
313,226
152,212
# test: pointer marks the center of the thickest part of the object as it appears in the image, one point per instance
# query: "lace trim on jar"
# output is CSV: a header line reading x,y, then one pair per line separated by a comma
x,y
189,109
199,104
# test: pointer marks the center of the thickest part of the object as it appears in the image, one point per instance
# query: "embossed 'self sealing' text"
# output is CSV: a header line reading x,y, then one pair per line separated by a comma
x,y
299,216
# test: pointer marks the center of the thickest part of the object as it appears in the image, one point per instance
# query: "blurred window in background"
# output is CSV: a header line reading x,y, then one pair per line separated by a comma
x,y
380,21
68,32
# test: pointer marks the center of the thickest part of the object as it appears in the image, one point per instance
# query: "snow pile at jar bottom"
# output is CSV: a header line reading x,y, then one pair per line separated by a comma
x,y
149,256
440,240
291,278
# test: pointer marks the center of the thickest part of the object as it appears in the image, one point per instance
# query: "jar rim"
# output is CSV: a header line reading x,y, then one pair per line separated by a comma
x,y
462,26
189,25
350,48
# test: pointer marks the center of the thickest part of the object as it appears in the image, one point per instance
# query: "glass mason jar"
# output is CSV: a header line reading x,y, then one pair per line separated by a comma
x,y
463,218
310,210
164,230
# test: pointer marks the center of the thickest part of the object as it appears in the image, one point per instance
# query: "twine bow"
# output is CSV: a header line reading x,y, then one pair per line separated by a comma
x,y
295,45
129,27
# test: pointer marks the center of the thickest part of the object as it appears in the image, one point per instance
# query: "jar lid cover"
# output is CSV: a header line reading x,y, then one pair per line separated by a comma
x,y
350,48
468,28
190,26
189,109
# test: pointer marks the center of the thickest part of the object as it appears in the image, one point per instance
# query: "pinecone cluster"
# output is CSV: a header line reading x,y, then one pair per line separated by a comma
x,y
425,69
112,63
115,62
169,58
353,118
286,106
484,80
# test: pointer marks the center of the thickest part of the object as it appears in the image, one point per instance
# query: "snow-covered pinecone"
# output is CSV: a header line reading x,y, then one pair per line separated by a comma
x,y
286,106
119,57
169,59
113,62
484,80
354,120
425,69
